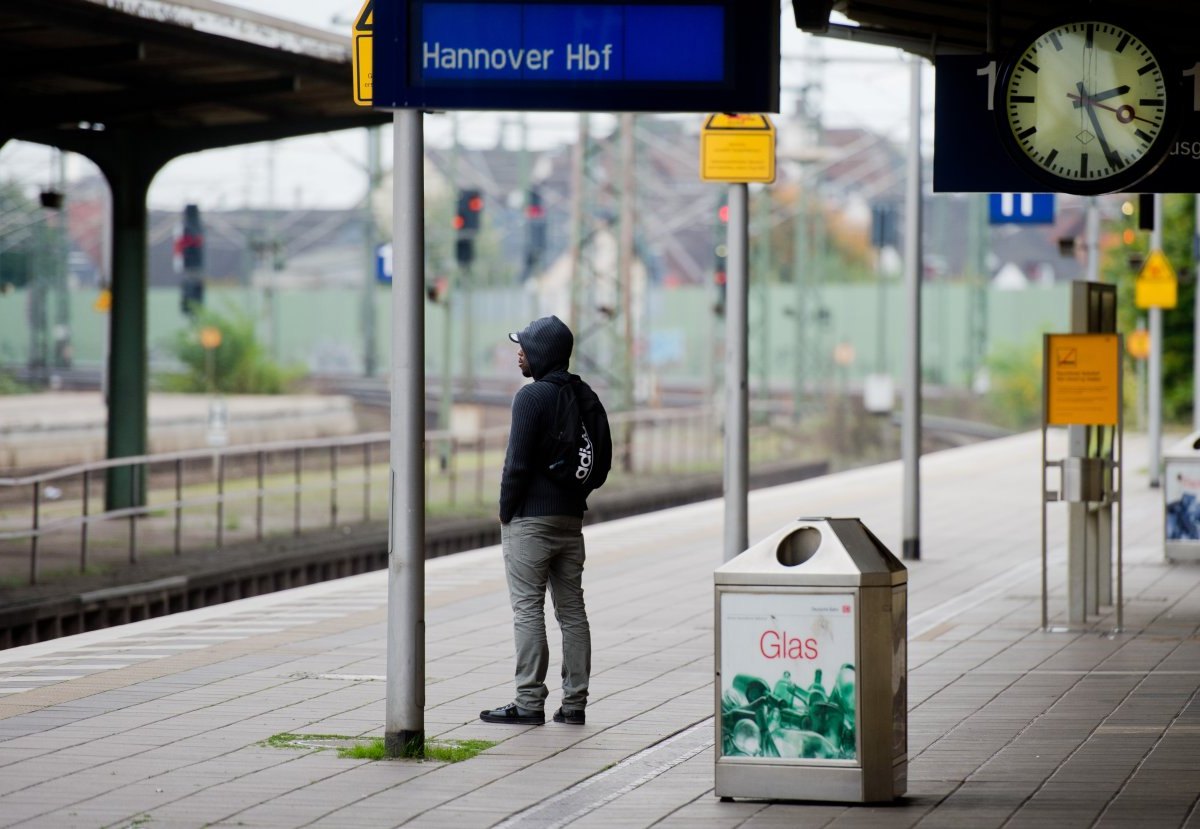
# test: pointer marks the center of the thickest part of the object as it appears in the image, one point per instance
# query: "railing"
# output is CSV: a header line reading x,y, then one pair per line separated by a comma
x,y
54,524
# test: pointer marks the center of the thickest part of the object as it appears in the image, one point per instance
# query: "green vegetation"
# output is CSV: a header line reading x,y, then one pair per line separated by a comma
x,y
239,365
1015,397
1121,267
9,385
443,751
455,751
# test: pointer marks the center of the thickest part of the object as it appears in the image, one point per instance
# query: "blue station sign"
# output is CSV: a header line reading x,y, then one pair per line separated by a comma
x,y
1021,208
698,56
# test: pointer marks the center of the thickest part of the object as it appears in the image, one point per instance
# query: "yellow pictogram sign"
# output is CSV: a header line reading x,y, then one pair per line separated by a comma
x,y
1082,378
361,56
737,147
1157,285
1137,344
210,337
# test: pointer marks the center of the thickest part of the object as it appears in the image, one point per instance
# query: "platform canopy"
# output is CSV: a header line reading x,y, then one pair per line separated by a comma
x,y
929,27
194,74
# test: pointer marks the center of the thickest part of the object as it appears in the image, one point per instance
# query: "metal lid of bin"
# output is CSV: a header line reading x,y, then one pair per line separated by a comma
x,y
1189,447
819,552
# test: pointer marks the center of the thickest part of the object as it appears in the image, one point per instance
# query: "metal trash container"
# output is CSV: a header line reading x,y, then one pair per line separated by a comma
x,y
1181,500
812,667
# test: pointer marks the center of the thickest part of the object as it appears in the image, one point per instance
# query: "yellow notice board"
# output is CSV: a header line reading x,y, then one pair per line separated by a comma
x,y
737,147
361,57
1082,379
1157,284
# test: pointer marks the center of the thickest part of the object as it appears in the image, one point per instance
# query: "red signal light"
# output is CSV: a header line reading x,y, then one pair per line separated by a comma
x,y
458,223
535,211
723,214
475,204
719,278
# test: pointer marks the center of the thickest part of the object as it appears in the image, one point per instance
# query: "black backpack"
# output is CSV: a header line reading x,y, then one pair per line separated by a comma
x,y
580,443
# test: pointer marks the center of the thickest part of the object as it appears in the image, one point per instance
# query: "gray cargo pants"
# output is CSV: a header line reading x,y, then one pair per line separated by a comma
x,y
547,550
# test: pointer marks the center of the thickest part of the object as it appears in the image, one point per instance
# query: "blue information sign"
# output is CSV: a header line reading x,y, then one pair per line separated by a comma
x,y
383,263
701,56
1021,208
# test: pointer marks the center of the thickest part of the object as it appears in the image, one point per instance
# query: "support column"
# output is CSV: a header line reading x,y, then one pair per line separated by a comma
x,y
129,178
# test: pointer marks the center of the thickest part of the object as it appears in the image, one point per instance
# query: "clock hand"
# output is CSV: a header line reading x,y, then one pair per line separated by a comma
x,y
1112,158
1102,96
1124,113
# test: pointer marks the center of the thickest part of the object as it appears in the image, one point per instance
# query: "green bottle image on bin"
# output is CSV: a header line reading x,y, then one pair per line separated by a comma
x,y
787,720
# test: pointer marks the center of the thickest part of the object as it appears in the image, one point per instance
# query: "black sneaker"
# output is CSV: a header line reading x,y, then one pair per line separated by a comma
x,y
571,717
513,714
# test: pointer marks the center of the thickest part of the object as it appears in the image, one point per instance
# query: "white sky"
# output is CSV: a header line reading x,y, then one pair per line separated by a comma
x,y
863,86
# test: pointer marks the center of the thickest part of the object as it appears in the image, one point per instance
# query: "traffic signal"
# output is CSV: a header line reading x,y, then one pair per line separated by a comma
x,y
436,289
884,233
466,221
720,270
535,232
192,295
189,247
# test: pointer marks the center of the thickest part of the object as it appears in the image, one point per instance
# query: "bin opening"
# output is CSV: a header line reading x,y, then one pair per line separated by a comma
x,y
1196,443
798,546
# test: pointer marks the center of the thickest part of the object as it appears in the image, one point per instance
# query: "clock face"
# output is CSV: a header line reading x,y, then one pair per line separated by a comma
x,y
1085,107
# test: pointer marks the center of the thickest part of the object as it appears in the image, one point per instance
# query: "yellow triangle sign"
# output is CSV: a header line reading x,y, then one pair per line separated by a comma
x,y
362,57
738,121
365,22
1157,269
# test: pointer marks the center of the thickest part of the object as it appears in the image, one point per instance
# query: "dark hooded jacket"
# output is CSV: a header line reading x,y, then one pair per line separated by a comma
x,y
526,490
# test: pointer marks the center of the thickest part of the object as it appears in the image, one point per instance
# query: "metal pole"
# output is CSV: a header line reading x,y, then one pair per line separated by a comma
x,y
1092,240
628,210
371,241
1155,362
737,443
578,160
446,404
803,317
762,280
1196,321
404,729
910,431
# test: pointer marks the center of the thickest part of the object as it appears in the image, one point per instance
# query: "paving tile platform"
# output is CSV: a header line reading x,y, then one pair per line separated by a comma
x,y
163,723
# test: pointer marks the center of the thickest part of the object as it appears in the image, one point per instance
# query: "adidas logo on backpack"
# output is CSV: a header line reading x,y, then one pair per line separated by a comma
x,y
580,452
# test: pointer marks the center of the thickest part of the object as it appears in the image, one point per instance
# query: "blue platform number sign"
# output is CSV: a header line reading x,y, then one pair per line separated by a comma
x,y
383,263
1021,208
700,56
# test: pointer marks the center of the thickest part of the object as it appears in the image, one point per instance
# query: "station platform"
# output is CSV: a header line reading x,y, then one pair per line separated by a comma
x,y
166,722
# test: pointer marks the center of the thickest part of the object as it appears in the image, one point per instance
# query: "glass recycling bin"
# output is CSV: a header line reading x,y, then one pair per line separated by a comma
x,y
1181,500
811,667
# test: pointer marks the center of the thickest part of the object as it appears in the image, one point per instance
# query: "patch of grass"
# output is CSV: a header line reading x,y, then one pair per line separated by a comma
x,y
289,740
455,751
443,751
364,751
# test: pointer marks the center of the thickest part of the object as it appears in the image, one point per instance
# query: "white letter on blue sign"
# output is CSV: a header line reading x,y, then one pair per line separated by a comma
x,y
427,54
1024,204
584,57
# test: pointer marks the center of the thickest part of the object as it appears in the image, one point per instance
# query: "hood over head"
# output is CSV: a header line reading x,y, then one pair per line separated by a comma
x,y
547,343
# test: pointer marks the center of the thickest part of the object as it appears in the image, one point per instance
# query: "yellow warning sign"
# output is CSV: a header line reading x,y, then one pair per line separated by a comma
x,y
1156,286
1082,379
361,54
737,147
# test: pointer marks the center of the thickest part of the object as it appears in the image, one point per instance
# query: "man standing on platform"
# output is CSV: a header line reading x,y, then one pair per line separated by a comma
x,y
541,521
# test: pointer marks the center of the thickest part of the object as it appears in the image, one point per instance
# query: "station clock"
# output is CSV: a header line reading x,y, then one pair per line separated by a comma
x,y
1087,107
